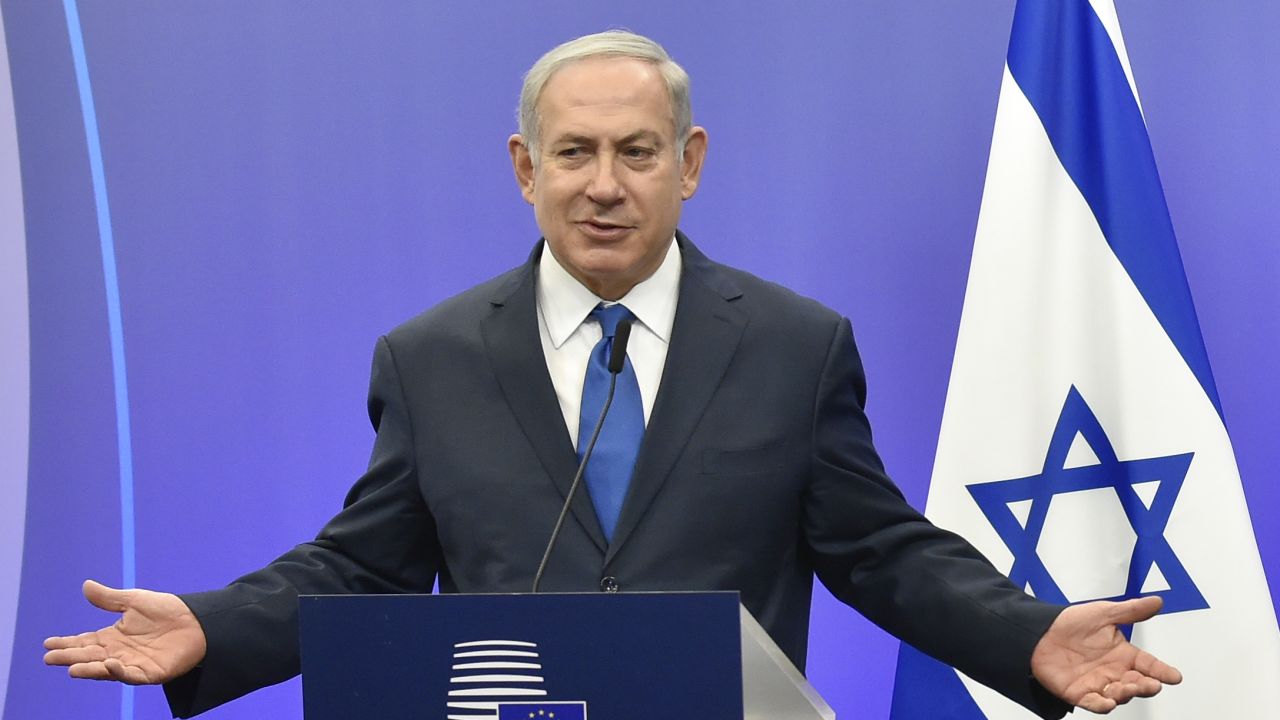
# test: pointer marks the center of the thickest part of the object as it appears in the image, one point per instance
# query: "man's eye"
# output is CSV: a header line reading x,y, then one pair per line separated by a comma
x,y
638,152
571,152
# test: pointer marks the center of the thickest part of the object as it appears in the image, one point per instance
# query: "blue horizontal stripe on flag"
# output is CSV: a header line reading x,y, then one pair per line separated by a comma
x,y
1063,60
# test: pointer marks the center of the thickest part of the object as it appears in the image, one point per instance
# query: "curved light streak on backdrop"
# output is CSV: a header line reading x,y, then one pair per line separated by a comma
x,y
115,323
15,395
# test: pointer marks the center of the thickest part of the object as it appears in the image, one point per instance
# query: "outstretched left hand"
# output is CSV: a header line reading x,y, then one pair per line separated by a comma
x,y
1084,659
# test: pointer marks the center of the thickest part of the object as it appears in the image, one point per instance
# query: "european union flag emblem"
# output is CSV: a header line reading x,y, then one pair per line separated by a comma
x,y
543,711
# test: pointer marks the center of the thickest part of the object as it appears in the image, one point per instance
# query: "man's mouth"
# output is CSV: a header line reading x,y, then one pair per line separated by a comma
x,y
603,229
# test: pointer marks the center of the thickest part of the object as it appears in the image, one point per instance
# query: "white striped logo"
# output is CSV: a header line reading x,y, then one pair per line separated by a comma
x,y
487,672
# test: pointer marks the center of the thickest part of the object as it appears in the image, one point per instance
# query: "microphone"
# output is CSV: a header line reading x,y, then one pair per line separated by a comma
x,y
618,354
617,359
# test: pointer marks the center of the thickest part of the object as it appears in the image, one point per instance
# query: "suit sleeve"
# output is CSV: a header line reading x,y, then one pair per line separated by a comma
x,y
925,585
383,541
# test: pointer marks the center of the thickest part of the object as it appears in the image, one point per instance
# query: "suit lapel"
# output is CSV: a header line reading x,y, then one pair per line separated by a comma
x,y
706,332
515,350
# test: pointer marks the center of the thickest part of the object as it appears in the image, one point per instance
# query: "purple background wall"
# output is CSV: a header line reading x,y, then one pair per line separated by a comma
x,y
289,180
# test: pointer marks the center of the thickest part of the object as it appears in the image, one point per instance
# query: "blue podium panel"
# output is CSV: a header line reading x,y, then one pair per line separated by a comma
x,y
597,656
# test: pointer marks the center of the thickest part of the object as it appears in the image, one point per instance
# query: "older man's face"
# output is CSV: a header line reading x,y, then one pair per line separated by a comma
x,y
608,184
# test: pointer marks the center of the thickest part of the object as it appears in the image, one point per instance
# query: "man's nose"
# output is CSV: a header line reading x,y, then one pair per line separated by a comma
x,y
604,186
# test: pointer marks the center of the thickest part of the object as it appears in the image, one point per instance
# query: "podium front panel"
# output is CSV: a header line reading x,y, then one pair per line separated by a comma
x,y
602,656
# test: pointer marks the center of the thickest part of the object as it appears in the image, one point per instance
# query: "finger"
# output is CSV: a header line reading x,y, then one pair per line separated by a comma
x,y
84,639
89,671
1094,702
59,642
1123,692
1136,610
128,674
102,596
111,669
1150,665
1140,685
74,656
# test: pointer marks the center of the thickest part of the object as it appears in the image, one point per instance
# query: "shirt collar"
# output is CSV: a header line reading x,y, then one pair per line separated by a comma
x,y
565,303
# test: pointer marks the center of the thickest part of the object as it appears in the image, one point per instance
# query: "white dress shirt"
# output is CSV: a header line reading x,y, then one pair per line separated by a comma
x,y
568,333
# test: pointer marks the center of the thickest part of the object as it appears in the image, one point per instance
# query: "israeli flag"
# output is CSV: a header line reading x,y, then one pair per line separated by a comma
x,y
1083,449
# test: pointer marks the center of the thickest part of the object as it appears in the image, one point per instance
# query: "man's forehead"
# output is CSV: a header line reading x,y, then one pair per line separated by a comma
x,y
612,94
605,81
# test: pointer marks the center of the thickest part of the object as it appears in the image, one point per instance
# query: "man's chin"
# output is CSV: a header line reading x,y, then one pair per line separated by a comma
x,y
608,281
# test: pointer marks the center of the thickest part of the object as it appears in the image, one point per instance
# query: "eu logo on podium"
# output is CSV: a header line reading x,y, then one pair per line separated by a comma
x,y
543,711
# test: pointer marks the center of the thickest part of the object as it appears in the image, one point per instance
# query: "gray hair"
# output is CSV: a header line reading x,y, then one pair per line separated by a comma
x,y
611,43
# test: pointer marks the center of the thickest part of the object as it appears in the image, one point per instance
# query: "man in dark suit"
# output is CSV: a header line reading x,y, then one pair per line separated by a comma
x,y
756,468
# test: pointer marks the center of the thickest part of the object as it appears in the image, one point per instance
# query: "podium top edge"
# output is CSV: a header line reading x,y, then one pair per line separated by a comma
x,y
638,593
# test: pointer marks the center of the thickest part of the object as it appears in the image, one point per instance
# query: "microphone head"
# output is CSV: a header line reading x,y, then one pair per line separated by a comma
x,y
618,354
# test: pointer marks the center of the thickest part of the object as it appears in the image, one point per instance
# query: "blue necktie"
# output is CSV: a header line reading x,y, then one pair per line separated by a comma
x,y
609,473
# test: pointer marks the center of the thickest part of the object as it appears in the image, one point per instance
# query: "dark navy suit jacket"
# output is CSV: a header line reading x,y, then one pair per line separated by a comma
x,y
757,472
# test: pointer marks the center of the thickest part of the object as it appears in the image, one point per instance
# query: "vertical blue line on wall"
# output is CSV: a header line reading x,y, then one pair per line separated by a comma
x,y
124,442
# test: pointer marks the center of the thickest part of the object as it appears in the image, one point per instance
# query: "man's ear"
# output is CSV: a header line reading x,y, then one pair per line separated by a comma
x,y
695,151
522,164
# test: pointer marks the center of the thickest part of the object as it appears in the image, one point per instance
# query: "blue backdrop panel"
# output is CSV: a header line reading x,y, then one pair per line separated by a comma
x,y
287,181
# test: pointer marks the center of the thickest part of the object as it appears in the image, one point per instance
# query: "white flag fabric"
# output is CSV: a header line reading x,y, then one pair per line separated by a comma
x,y
1082,448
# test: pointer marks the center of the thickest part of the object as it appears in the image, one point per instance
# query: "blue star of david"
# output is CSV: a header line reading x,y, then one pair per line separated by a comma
x,y
1150,550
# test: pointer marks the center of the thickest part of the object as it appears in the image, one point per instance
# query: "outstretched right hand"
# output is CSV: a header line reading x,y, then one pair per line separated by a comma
x,y
155,640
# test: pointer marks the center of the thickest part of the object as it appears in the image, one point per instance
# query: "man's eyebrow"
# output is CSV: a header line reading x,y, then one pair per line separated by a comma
x,y
641,135
576,139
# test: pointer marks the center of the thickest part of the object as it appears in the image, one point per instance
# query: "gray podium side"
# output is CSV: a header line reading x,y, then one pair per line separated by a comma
x,y
772,688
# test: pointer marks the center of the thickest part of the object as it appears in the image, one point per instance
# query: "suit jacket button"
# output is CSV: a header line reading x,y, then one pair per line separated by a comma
x,y
609,583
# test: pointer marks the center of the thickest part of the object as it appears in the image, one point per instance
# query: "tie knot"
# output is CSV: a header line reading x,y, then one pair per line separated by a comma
x,y
610,316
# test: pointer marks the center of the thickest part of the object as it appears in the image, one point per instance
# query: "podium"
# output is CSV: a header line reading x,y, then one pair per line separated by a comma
x,y
589,656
